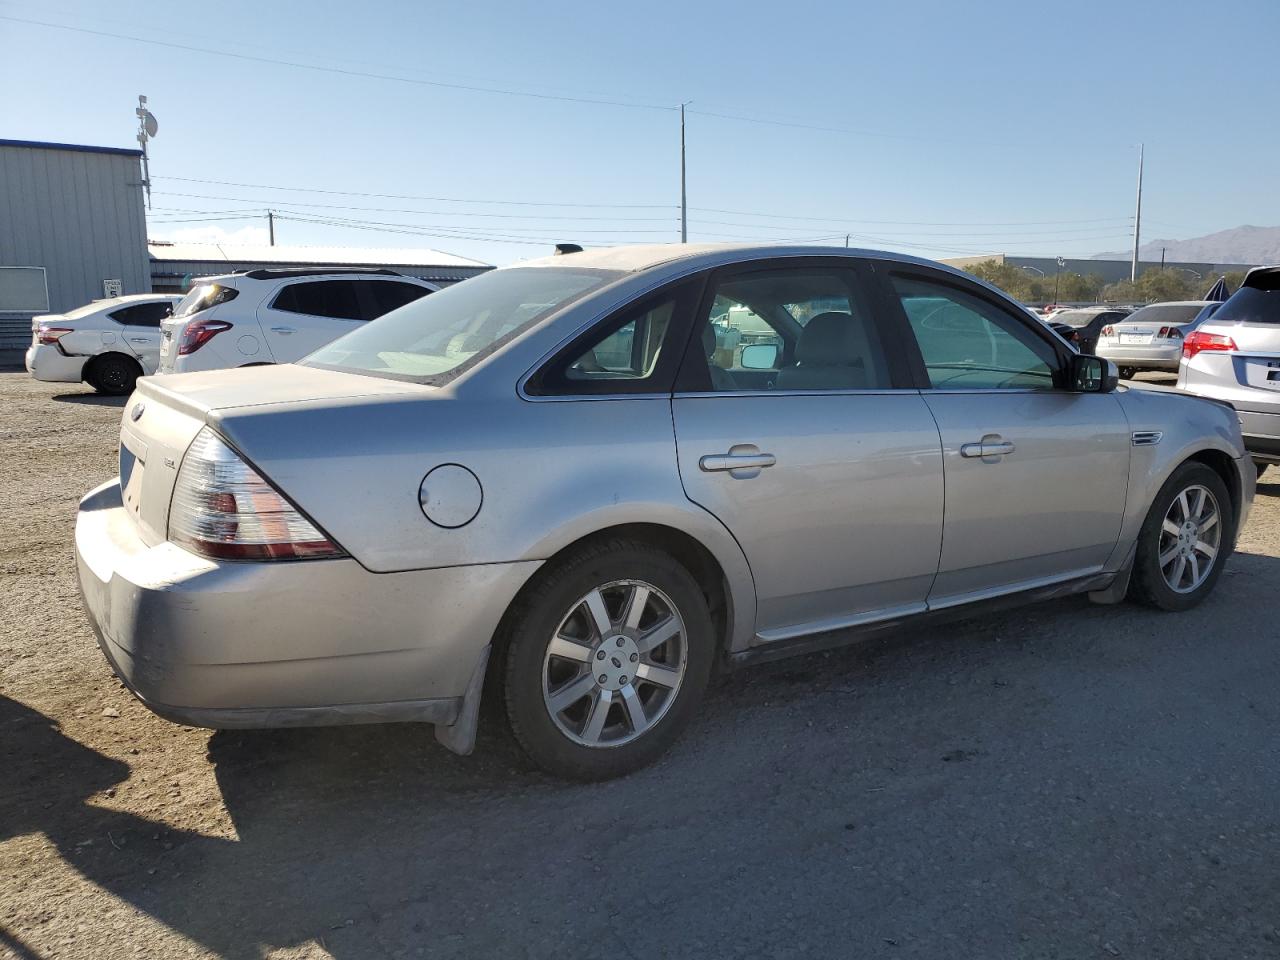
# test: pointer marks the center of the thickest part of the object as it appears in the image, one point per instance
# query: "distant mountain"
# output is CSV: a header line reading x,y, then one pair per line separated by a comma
x,y
1238,245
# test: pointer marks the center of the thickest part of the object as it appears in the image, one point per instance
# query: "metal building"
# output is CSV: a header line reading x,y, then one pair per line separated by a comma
x,y
175,264
72,229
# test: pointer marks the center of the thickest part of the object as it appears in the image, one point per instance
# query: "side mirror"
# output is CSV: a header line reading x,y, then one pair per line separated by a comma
x,y
759,356
1093,374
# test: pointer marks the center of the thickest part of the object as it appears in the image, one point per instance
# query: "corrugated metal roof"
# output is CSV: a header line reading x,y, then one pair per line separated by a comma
x,y
77,147
318,256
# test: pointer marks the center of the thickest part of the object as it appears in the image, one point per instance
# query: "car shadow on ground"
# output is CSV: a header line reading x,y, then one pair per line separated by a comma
x,y
90,398
375,840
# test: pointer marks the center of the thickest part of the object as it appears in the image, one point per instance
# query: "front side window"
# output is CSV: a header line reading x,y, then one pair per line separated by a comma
x,y
438,336
969,344
791,329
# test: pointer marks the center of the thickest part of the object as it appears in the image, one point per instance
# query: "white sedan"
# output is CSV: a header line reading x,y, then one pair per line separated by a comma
x,y
108,344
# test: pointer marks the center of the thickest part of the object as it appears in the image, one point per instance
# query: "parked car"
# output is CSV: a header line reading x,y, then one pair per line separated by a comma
x,y
1151,338
1082,326
1235,356
463,489
276,316
108,343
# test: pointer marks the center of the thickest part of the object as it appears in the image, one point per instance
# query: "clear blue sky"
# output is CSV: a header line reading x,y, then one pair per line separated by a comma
x,y
998,121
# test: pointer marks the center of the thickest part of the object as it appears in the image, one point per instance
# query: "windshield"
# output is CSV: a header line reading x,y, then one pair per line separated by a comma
x,y
202,297
1166,313
439,334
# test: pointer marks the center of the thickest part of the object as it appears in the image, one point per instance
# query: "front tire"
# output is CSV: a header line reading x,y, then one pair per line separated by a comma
x,y
113,374
1128,373
1184,541
607,658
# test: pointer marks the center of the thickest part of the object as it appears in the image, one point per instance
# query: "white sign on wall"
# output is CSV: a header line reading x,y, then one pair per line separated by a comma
x,y
112,288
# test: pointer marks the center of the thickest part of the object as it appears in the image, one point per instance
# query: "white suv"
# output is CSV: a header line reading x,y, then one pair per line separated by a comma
x,y
107,343
276,316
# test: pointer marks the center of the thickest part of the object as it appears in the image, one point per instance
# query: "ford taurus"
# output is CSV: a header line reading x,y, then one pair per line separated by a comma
x,y
595,478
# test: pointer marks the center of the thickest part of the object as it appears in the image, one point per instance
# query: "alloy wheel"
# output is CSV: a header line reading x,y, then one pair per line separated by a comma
x,y
1190,538
615,664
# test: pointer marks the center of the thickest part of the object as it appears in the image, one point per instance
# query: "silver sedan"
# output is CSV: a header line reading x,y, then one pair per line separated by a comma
x,y
596,478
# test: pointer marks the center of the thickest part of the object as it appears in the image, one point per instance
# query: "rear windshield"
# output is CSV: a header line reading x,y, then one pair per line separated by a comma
x,y
1251,305
1076,318
434,337
202,297
1166,313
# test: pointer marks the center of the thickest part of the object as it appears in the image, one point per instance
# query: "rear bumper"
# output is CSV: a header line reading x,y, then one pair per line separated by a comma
x,y
1143,356
308,643
46,362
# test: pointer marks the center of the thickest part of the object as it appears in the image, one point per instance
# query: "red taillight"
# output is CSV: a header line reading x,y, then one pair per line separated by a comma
x,y
1199,342
50,335
1169,333
197,334
1108,331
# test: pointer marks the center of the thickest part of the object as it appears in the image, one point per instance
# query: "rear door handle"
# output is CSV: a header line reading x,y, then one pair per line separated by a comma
x,y
285,330
992,445
743,461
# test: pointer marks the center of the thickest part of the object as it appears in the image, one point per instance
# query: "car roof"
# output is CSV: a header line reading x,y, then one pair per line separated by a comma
x,y
635,258
315,273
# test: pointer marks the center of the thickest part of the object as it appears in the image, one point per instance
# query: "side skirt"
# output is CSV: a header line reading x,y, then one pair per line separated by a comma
x,y
830,639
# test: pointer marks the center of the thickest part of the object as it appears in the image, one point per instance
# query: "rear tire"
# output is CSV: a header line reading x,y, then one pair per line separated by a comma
x,y
1128,373
590,691
113,374
1190,524
1261,466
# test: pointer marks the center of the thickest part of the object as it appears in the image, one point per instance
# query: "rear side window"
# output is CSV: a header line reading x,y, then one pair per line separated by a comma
x,y
383,296
204,296
142,314
1253,304
321,298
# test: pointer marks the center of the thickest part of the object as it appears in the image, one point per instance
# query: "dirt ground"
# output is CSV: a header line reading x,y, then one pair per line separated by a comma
x,y
1062,781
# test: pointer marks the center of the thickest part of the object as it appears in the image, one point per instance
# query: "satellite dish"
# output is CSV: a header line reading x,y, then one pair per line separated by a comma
x,y
149,123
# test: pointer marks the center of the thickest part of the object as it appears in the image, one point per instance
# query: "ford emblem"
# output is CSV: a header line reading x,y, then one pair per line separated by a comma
x,y
136,413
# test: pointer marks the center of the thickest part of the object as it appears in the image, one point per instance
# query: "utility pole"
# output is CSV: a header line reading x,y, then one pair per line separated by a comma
x,y
1162,250
1056,277
846,241
1137,222
147,127
271,228
684,199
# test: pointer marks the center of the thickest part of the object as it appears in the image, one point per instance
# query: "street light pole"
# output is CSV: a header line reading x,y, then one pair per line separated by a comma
x,y
1057,275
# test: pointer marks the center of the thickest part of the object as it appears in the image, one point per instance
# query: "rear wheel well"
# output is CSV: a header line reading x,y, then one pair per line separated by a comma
x,y
687,551
1225,467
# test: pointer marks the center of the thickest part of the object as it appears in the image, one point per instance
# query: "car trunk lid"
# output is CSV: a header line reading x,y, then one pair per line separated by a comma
x,y
165,413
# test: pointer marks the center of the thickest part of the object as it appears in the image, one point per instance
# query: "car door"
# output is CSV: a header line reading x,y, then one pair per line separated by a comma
x,y
827,469
1036,473
304,315
141,330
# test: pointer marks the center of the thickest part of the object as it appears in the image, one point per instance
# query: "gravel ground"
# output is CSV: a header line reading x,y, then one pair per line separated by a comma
x,y
1064,781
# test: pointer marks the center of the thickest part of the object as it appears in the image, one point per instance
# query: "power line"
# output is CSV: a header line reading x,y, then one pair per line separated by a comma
x,y
470,88
909,223
426,213
406,196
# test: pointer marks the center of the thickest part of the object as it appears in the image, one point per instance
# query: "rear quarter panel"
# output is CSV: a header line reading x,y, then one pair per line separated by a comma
x,y
551,472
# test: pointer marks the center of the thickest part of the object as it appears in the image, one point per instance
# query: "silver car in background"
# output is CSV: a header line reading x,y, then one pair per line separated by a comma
x,y
1151,338
1235,356
561,476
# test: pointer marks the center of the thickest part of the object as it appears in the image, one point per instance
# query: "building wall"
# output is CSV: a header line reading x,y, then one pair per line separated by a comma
x,y
77,212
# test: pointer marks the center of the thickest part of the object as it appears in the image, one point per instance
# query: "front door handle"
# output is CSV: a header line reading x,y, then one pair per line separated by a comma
x,y
992,445
743,461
